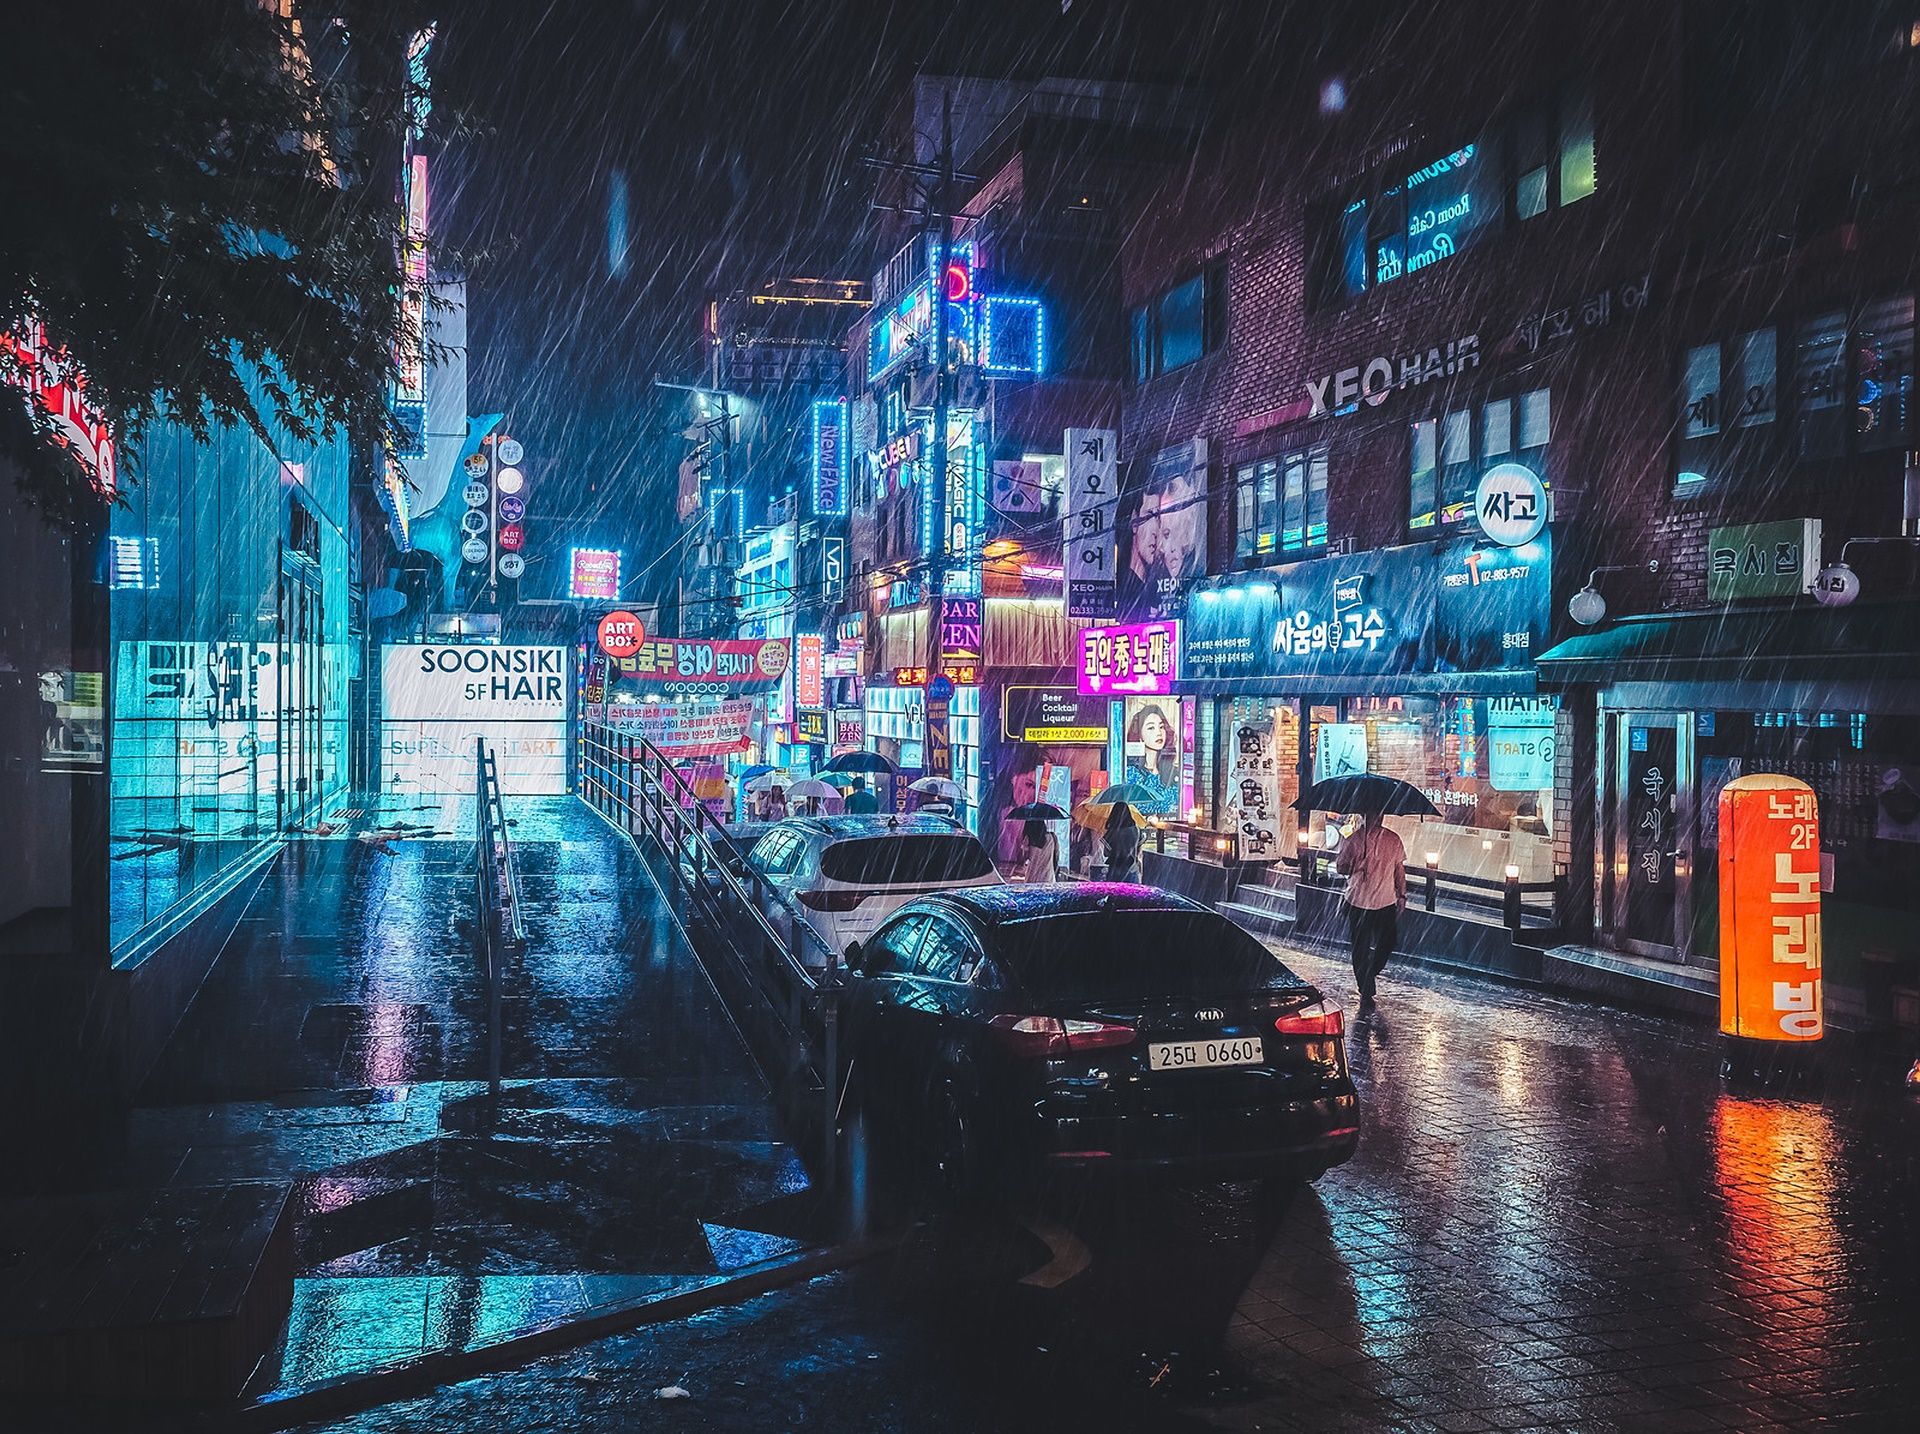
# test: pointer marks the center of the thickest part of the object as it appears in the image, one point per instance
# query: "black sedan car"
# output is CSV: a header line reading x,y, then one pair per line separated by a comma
x,y
1096,1026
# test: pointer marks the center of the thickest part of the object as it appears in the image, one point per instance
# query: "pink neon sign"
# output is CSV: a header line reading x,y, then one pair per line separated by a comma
x,y
1139,659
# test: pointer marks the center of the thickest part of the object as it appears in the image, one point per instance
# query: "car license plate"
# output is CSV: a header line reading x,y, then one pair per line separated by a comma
x,y
1224,1051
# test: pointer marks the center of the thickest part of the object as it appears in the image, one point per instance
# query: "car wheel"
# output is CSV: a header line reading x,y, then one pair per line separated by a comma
x,y
956,1161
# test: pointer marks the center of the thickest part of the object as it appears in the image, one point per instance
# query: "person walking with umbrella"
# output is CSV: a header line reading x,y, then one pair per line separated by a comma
x,y
1374,861
1123,845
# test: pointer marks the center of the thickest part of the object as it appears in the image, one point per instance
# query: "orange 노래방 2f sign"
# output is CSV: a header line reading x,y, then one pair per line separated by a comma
x,y
1770,910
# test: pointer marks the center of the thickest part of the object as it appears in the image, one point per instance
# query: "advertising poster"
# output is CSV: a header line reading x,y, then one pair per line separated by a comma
x,y
437,698
1053,714
197,721
596,574
697,667
1151,753
705,729
1092,490
72,721
1520,743
1161,532
1253,787
1339,750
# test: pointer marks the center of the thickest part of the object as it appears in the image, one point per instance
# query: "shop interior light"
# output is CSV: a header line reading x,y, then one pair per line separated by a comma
x,y
1433,861
1513,872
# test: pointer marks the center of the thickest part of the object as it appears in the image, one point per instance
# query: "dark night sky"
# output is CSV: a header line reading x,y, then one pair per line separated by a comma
x,y
737,126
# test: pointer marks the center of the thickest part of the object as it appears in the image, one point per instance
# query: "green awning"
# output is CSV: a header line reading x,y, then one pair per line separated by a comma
x,y
1880,640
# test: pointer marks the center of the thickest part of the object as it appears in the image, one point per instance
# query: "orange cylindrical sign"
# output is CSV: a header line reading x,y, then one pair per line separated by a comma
x,y
1770,910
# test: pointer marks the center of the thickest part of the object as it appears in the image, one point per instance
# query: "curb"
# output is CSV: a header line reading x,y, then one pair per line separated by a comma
x,y
353,1393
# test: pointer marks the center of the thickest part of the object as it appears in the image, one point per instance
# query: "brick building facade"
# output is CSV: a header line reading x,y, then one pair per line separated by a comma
x,y
1658,256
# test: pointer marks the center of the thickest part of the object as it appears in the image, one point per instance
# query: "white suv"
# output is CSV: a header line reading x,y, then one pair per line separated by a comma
x,y
843,876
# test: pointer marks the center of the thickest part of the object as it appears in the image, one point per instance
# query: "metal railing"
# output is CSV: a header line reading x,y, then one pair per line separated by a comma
x,y
498,927
784,979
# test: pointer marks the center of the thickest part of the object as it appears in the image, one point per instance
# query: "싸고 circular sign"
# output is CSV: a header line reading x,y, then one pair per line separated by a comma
x,y
1511,503
620,634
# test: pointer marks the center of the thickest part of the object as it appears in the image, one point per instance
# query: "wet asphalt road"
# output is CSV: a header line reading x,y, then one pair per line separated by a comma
x,y
1559,1218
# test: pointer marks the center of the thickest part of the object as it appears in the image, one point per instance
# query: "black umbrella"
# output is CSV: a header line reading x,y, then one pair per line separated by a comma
x,y
1367,792
1035,812
860,762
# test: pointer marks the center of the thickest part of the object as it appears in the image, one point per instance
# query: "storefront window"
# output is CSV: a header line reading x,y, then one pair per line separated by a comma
x,y
1280,504
229,667
1486,763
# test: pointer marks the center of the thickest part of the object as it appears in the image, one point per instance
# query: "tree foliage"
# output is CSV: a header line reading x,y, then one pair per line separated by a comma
x,y
204,213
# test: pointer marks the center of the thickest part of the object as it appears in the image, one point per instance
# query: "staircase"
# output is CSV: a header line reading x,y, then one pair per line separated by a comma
x,y
1262,909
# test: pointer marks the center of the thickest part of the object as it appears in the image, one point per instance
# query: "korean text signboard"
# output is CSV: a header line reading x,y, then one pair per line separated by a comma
x,y
697,667
808,650
1054,714
1770,981
1092,482
701,729
1763,560
596,574
1141,659
1253,787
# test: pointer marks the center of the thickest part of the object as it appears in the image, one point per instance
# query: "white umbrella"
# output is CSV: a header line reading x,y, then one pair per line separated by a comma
x,y
812,787
936,787
767,780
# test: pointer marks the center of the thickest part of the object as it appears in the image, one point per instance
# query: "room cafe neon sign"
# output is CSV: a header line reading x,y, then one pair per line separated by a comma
x,y
56,386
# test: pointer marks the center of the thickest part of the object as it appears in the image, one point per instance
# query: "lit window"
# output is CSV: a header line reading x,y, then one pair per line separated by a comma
x,y
1280,504
1441,484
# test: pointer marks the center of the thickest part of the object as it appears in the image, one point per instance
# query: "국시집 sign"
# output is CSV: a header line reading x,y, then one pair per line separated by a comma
x,y
1763,560
1139,659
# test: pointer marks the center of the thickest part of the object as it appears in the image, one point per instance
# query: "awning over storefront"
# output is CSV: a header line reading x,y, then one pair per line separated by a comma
x,y
1512,682
1878,641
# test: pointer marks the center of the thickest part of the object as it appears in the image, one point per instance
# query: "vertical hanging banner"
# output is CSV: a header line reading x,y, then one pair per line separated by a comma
x,y
808,651
1253,788
830,457
1770,985
1092,483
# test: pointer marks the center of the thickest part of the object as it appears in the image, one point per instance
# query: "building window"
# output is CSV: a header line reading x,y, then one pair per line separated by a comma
x,y
1180,325
1449,453
1727,398
1853,382
1405,217
1280,505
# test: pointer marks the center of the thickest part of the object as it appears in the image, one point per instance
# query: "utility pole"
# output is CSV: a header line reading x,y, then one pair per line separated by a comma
x,y
937,745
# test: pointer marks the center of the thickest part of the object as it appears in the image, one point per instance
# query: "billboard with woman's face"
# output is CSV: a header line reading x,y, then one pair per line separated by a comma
x,y
1154,753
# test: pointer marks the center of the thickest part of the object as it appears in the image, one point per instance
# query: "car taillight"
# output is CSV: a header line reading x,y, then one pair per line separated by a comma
x,y
1318,1019
1049,1036
830,900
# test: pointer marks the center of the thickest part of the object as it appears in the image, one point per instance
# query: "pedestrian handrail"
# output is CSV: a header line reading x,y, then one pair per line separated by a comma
x,y
498,925
790,975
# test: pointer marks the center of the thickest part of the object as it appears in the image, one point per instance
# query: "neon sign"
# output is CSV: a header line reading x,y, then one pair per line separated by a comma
x,y
829,457
1013,335
58,388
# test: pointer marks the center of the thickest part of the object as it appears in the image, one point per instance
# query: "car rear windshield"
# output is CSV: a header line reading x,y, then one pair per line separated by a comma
x,y
906,860
1095,956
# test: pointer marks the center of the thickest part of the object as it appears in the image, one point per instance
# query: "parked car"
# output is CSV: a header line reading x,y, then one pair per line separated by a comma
x,y
1098,1026
843,876
742,835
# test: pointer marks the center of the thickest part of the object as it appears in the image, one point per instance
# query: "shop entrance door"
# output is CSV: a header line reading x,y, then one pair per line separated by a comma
x,y
301,764
1649,821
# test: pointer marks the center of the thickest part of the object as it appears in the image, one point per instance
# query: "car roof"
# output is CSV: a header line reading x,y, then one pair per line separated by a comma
x,y
1022,902
875,825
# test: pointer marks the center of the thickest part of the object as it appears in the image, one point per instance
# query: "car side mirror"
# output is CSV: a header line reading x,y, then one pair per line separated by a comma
x,y
856,958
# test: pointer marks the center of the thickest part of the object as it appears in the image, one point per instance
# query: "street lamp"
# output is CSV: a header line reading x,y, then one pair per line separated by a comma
x,y
1588,606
